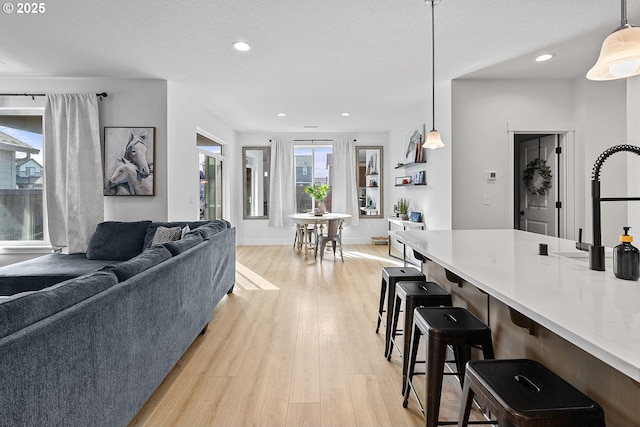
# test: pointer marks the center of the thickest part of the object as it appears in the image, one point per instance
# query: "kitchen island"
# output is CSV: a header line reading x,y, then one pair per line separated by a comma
x,y
583,324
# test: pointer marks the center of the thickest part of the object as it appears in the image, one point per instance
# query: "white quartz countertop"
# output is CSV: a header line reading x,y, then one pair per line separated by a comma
x,y
591,309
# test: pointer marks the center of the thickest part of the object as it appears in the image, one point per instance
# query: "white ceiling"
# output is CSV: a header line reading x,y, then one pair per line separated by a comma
x,y
310,59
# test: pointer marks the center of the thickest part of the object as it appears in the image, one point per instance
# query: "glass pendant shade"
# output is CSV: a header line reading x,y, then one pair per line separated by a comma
x,y
619,57
433,140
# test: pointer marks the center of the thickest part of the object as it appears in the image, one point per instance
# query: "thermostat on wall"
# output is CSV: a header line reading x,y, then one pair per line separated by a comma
x,y
492,175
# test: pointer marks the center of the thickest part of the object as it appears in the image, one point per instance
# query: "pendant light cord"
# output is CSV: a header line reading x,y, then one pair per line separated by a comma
x,y
433,68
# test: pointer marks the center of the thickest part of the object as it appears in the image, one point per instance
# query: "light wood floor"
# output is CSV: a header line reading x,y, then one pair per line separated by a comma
x,y
294,345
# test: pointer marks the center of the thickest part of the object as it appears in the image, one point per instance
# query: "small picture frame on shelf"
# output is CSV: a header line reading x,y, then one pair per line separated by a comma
x,y
415,216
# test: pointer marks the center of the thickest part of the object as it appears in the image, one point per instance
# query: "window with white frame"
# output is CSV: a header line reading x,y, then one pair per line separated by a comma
x,y
22,216
313,166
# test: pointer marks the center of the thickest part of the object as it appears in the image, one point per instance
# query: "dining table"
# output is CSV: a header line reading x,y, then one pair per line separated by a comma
x,y
308,225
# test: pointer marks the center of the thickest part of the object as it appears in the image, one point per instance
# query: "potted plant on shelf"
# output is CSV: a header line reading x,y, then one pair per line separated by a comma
x,y
403,208
318,193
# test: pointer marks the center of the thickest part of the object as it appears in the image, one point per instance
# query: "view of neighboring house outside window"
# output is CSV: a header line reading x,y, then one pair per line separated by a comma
x,y
313,166
21,178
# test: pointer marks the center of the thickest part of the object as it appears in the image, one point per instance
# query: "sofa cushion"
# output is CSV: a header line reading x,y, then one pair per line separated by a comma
x,y
44,271
151,228
212,227
118,241
21,310
164,235
182,245
147,259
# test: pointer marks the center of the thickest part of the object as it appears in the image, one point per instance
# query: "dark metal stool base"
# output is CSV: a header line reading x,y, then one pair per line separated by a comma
x,y
390,276
414,294
444,326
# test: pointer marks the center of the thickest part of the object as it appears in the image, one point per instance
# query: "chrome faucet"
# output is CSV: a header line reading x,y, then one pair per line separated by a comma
x,y
596,250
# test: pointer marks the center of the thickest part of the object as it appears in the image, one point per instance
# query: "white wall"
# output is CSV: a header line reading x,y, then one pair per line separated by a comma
x,y
601,123
258,232
434,199
187,117
135,103
480,113
633,169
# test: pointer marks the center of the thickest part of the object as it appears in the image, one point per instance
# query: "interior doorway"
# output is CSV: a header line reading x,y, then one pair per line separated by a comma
x,y
210,161
537,161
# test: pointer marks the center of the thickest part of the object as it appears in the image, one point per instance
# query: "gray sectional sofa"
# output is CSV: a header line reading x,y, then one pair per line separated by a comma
x,y
90,350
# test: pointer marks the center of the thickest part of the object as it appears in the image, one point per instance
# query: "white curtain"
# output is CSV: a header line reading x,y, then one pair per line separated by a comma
x,y
283,183
73,171
344,191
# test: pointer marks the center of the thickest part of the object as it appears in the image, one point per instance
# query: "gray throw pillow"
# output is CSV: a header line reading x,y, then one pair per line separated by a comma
x,y
164,235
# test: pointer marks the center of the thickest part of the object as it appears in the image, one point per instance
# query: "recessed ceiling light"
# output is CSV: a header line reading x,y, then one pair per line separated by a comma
x,y
241,46
544,57
282,114
346,114
310,126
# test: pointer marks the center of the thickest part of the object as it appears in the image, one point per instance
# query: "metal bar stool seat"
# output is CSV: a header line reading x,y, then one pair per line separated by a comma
x,y
444,326
390,276
524,393
414,294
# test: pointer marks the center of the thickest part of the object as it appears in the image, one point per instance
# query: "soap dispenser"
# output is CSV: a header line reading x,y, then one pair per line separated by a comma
x,y
626,258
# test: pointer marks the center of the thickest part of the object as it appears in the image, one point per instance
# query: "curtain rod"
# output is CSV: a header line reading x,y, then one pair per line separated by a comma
x,y
33,95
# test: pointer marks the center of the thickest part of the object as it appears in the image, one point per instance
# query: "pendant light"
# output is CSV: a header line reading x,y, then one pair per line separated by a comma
x,y
433,140
620,54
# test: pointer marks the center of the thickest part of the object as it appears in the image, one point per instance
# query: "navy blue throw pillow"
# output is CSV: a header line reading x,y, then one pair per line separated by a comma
x,y
117,241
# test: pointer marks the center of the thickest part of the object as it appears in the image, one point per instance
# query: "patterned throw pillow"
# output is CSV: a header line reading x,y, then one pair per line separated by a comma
x,y
164,235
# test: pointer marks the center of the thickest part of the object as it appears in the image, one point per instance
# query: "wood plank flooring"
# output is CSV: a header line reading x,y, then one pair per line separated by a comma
x,y
294,345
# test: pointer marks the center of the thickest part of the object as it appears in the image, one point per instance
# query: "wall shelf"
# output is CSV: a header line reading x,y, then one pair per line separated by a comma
x,y
408,165
410,185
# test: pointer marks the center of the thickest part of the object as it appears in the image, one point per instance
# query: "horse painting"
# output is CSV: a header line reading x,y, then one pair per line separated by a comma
x,y
128,176
128,161
136,152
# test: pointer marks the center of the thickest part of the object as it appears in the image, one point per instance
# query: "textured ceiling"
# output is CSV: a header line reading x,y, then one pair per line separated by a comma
x,y
310,59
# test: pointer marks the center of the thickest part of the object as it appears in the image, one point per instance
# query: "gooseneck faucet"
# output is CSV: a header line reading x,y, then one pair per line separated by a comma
x,y
596,250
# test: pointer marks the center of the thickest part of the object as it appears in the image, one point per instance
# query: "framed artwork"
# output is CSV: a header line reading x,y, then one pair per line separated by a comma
x,y
128,161
415,139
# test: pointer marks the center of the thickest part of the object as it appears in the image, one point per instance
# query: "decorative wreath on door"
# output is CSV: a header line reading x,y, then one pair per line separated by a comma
x,y
539,167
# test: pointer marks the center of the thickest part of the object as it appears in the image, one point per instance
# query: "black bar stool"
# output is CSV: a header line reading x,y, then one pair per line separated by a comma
x,y
443,326
524,393
414,294
390,276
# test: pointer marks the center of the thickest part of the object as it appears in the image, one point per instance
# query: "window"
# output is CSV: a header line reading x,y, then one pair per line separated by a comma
x,y
21,176
313,166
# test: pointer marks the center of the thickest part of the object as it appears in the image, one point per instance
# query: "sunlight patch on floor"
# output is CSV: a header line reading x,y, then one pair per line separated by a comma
x,y
249,280
356,254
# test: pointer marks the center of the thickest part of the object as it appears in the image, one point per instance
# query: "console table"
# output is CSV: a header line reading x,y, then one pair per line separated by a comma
x,y
405,225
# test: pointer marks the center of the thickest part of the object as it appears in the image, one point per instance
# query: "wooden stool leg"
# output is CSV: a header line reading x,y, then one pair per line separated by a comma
x,y
383,293
413,353
394,326
435,370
